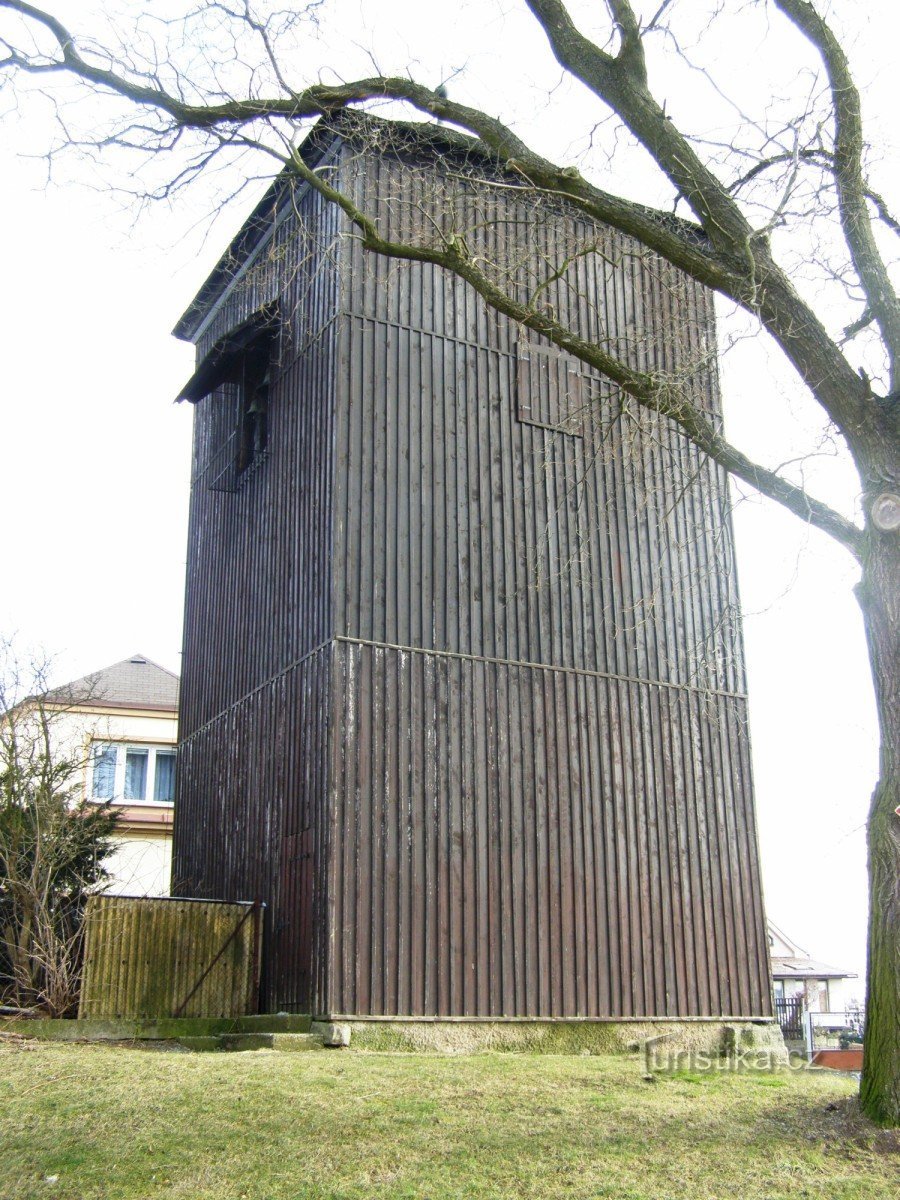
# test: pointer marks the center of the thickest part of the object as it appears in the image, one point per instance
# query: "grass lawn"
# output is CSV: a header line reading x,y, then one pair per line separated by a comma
x,y
84,1121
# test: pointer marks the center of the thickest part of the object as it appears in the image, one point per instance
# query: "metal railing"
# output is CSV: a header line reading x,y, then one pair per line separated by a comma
x,y
834,1030
789,1014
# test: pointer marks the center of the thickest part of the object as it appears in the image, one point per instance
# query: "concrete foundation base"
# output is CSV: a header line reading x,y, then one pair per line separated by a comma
x,y
666,1040
664,1045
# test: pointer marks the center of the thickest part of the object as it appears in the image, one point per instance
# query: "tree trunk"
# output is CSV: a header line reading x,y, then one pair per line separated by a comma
x,y
879,598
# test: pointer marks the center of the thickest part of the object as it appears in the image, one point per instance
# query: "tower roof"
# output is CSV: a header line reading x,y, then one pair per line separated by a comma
x,y
423,141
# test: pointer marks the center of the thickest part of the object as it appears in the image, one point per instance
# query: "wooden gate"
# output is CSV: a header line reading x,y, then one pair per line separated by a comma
x,y
150,957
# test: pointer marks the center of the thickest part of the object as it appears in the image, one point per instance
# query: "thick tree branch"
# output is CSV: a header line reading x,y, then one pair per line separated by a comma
x,y
756,281
725,256
676,240
728,259
848,150
655,394
621,82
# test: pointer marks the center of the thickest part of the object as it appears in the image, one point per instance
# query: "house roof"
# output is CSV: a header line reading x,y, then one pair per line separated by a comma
x,y
795,950
135,682
807,968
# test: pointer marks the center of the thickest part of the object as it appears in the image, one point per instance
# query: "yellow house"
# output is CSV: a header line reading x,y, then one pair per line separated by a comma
x,y
123,722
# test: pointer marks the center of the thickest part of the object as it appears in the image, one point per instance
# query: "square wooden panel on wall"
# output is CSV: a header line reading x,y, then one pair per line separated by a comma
x,y
549,389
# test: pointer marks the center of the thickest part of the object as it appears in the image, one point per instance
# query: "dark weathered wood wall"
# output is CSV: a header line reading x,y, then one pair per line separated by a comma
x,y
529,841
464,694
253,742
541,775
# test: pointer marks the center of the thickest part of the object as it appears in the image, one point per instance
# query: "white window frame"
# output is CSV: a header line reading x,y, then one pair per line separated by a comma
x,y
121,749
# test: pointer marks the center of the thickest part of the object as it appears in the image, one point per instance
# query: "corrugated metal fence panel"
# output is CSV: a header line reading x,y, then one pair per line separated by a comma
x,y
163,957
530,842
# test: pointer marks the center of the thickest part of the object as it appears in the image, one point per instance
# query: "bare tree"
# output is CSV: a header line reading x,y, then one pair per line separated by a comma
x,y
252,86
52,839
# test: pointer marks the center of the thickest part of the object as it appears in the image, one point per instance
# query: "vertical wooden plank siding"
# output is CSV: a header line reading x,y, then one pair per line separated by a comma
x,y
464,695
541,786
253,740
474,936
146,958
608,551
256,779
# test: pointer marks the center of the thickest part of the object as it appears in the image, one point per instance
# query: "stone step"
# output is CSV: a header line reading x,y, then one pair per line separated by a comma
x,y
200,1044
280,1031
231,1041
296,1042
291,1043
119,1029
274,1023
249,1041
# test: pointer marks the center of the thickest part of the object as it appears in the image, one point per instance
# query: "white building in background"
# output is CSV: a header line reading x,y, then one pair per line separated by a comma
x,y
794,973
123,722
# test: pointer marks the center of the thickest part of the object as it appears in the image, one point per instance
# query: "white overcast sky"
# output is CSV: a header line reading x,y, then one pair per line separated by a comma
x,y
94,456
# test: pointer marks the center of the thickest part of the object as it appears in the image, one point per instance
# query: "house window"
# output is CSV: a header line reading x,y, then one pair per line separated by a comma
x,y
132,774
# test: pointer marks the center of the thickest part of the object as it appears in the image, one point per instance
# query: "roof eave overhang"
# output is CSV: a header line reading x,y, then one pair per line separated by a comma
x,y
788,973
218,366
254,230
